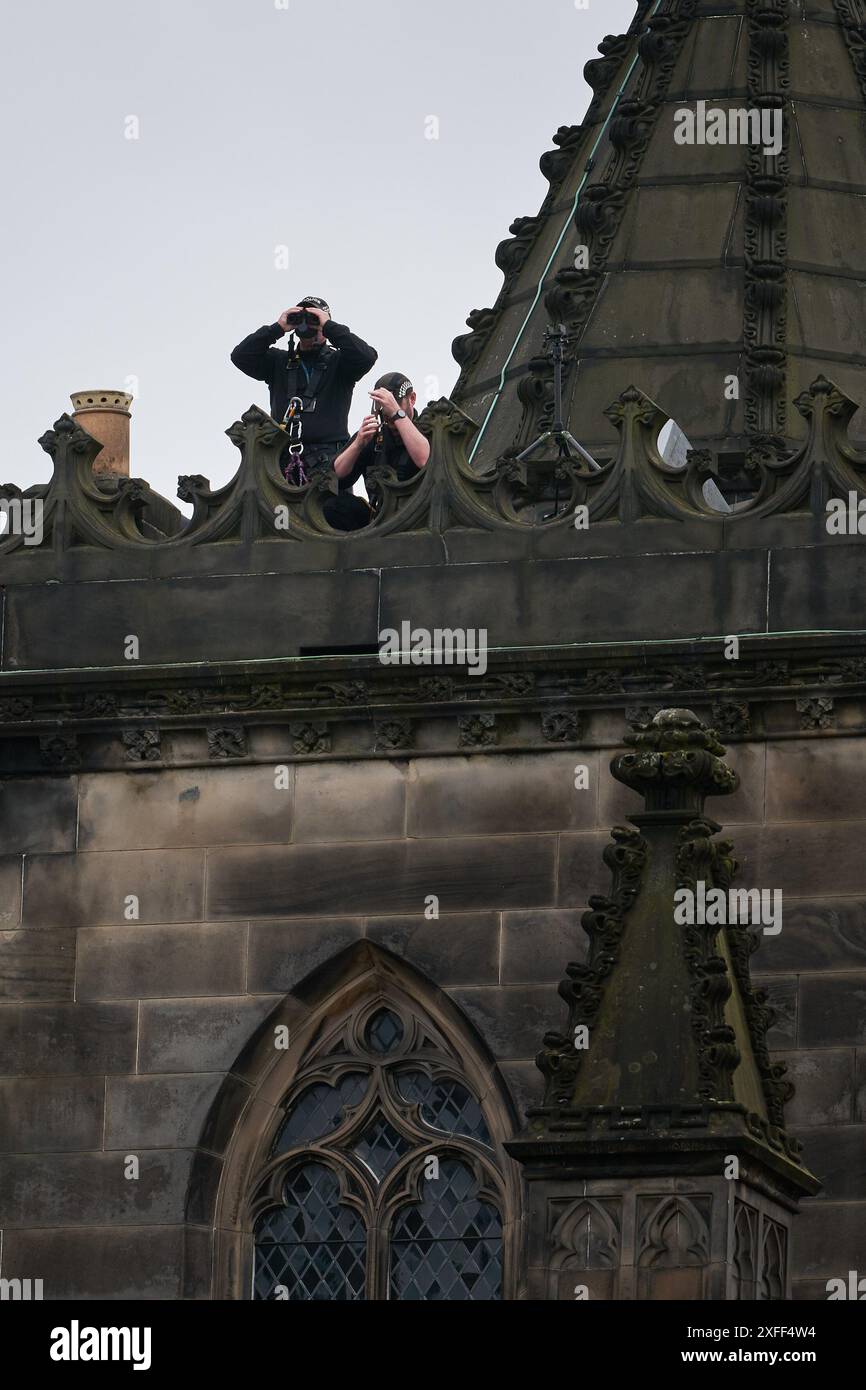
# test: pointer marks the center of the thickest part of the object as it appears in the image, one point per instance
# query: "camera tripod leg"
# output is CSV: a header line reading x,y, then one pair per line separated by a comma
x,y
570,441
533,448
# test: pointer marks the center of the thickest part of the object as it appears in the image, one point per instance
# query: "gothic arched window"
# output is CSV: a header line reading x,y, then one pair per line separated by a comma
x,y
382,1180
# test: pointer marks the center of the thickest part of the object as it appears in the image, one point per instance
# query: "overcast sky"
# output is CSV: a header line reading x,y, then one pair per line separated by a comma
x,y
139,263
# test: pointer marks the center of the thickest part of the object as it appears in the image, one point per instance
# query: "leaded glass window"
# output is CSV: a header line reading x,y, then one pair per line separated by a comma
x,y
381,1146
384,1031
449,1244
383,1179
321,1109
445,1104
312,1247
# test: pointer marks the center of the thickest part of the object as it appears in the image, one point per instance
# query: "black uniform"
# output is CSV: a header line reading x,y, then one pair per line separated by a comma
x,y
393,453
326,375
349,513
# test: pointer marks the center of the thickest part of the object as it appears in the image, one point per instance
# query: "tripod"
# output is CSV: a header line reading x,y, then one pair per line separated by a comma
x,y
555,341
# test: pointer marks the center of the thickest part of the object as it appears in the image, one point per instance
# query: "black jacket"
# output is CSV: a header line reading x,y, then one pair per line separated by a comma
x,y
393,452
344,363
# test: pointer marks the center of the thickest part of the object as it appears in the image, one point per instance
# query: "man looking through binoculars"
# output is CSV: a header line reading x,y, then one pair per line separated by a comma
x,y
312,383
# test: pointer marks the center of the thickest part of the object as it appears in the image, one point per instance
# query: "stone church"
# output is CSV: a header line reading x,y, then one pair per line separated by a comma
x,y
323,978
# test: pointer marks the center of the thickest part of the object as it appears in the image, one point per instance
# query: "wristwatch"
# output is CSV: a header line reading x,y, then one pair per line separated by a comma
x,y
401,415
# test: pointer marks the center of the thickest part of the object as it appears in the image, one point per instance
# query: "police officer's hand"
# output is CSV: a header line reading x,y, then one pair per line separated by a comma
x,y
369,426
283,319
321,314
386,399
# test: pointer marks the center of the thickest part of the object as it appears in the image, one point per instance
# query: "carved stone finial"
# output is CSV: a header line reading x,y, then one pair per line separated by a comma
x,y
676,763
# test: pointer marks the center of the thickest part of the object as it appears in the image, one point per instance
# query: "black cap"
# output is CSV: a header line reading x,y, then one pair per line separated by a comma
x,y
395,382
314,303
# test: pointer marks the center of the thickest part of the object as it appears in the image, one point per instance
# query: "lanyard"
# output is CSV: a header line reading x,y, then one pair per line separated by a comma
x,y
293,424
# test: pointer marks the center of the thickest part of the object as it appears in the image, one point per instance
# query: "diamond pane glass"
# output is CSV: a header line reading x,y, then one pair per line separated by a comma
x,y
319,1110
313,1247
445,1105
380,1146
384,1031
449,1245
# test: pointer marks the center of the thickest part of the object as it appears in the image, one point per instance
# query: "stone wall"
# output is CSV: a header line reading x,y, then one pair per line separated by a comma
x,y
117,1034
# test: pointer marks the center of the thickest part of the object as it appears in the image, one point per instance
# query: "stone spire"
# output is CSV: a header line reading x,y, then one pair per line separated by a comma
x,y
661,1104
719,279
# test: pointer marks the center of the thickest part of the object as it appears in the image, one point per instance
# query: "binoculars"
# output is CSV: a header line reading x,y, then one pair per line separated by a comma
x,y
302,317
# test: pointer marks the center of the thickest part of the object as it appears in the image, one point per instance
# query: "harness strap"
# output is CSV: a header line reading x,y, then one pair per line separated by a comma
x,y
307,383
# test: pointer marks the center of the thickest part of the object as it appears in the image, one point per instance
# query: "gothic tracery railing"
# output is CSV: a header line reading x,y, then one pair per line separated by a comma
x,y
633,483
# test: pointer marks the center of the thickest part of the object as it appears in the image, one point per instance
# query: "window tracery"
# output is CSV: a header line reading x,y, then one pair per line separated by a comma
x,y
382,1180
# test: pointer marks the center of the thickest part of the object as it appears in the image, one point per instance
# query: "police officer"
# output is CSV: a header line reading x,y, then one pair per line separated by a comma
x,y
389,435
320,371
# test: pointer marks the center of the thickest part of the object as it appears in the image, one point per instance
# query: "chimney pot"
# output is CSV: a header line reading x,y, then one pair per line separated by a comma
x,y
105,415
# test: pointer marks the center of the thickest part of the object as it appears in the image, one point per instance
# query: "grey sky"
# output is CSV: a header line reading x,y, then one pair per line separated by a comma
x,y
260,126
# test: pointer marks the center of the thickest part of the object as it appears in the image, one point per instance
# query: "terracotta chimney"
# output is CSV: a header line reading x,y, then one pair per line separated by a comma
x,y
105,415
